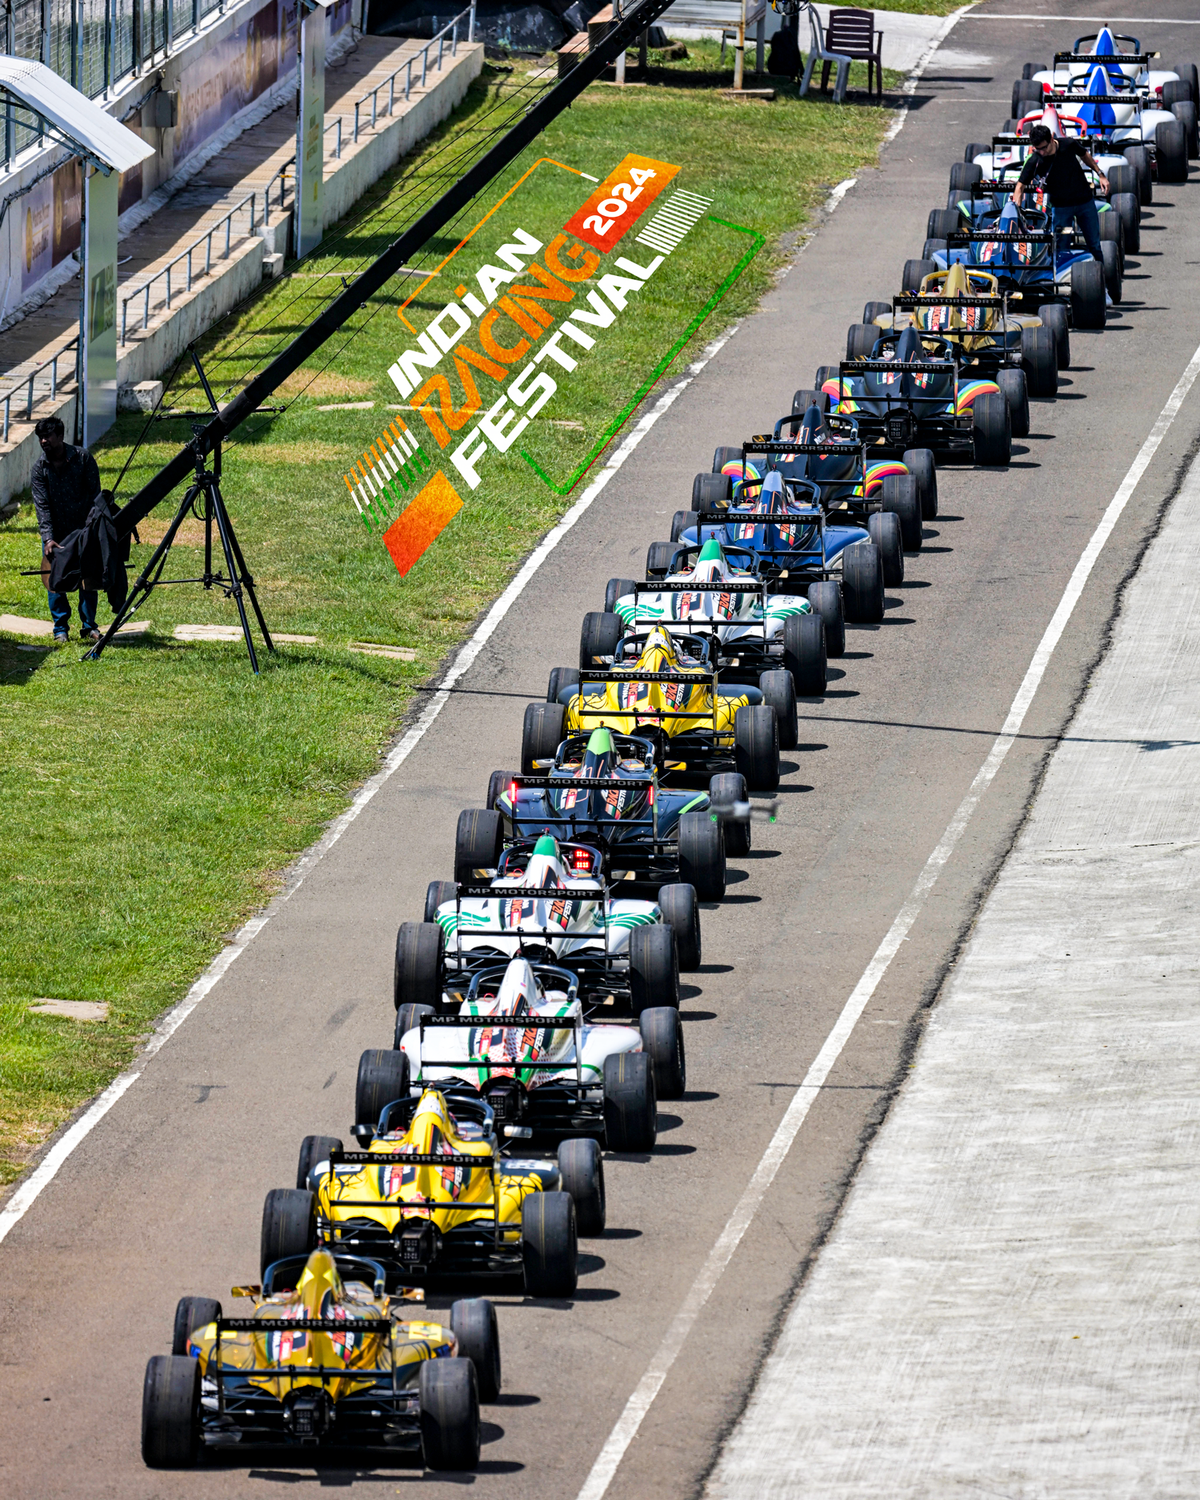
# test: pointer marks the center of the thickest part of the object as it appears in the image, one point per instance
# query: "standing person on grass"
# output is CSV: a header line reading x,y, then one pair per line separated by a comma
x,y
65,484
1054,161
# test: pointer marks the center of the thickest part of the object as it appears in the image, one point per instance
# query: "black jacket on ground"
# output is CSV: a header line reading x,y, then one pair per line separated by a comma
x,y
94,552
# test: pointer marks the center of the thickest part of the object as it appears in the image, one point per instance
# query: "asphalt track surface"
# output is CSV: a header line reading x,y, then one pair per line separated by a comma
x,y
164,1196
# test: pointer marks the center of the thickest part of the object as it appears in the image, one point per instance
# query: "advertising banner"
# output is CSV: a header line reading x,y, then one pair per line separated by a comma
x,y
310,128
232,73
100,308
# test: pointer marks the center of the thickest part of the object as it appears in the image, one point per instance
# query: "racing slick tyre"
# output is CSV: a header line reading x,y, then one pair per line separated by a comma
x,y
873,311
932,247
473,1324
420,962
1186,72
1039,356
942,222
702,871
803,399
756,746
190,1313
498,783
681,521
548,1235
288,1225
901,499
1029,69
779,692
1185,112
653,967
541,734
662,1041
965,174
1111,261
974,149
1112,230
725,455
1015,390
478,842
804,653
1022,89
581,1167
407,1017
861,339
1127,208
992,430
914,273
382,1077
313,1149
826,600
1123,178
920,464
438,891
1139,159
659,557
729,787
884,530
1087,294
617,588
600,636
630,1100
1010,126
862,583
824,373
1054,317
449,1396
710,492
171,1412
562,678
1170,147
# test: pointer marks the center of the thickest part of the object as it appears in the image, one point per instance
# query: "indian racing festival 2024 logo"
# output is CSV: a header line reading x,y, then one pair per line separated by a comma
x,y
531,288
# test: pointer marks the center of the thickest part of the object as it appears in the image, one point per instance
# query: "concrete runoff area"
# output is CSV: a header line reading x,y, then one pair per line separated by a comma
x,y
163,1197
1008,1303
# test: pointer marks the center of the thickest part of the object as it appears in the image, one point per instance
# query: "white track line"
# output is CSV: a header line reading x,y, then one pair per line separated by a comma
x,y
909,87
25,1195
605,1467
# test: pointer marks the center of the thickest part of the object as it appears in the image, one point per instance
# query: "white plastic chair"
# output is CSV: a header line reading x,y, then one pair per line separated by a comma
x,y
818,54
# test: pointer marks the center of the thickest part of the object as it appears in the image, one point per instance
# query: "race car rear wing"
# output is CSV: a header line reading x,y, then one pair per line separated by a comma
x,y
572,819
908,301
490,1164
1000,237
1069,98
889,366
383,1327
519,1024
313,1325
1141,58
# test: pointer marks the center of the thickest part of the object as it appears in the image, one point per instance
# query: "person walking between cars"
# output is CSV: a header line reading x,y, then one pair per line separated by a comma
x,y
1053,162
65,485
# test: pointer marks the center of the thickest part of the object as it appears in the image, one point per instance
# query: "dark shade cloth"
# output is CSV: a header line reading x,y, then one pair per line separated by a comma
x,y
62,500
96,553
1061,173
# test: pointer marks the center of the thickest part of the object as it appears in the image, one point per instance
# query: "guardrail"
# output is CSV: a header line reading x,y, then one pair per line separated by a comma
x,y
27,382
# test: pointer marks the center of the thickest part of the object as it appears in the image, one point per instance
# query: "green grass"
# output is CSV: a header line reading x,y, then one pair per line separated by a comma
x,y
152,800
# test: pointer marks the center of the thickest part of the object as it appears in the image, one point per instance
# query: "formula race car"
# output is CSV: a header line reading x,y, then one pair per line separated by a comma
x,y
431,1196
326,1359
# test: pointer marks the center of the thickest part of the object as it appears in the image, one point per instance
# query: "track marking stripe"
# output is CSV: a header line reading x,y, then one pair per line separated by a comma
x,y
630,1420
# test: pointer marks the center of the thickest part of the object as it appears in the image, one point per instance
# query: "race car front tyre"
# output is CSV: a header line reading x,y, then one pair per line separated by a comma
x,y
1087,294
1010,126
599,637
662,1040
725,455
1029,69
728,788
1170,147
1185,112
473,1324
478,844
862,583
974,149
313,1149
779,692
382,1075
449,1396
653,967
1111,261
1025,89
630,1103
873,311
901,499
498,784
407,1017
171,1412
1015,390
1139,159
824,373
618,587
914,273
1126,206
920,464
288,1226
861,339
660,556
991,429
804,654
562,678
548,1238
1039,357
192,1313
681,521
932,247
581,1167
756,746
438,891
541,734
1112,230
965,174
420,964
710,492
943,222
806,397
1186,73
701,870
826,600
1122,178
1054,317
884,530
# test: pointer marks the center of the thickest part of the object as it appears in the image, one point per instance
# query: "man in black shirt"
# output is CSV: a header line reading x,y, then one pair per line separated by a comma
x,y
65,484
1054,162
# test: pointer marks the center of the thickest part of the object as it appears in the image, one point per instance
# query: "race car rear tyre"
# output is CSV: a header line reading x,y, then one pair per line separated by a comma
x,y
914,273
725,788
803,399
1039,357
288,1225
420,964
660,556
1111,261
192,1313
313,1149
725,455
965,174
920,464
991,429
826,600
1127,207
862,583
804,654
562,678
438,891
1054,317
662,1040
600,636
884,530
933,247
498,784
449,1396
1015,390
756,746
581,1166
681,521
383,1074
942,223
1139,159
702,870
548,1238
901,498
1023,89
473,1323
861,339
630,1102
1185,112
478,844
541,734
617,588
1087,294
710,492
171,1412
974,149
407,1017
873,311
653,967
1170,147
1113,230
779,692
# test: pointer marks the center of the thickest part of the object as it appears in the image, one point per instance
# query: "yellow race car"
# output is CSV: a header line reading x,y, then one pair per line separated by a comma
x,y
665,686
431,1196
327,1358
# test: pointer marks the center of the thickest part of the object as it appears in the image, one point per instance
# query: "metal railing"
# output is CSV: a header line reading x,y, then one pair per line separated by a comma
x,y
206,240
406,67
26,383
